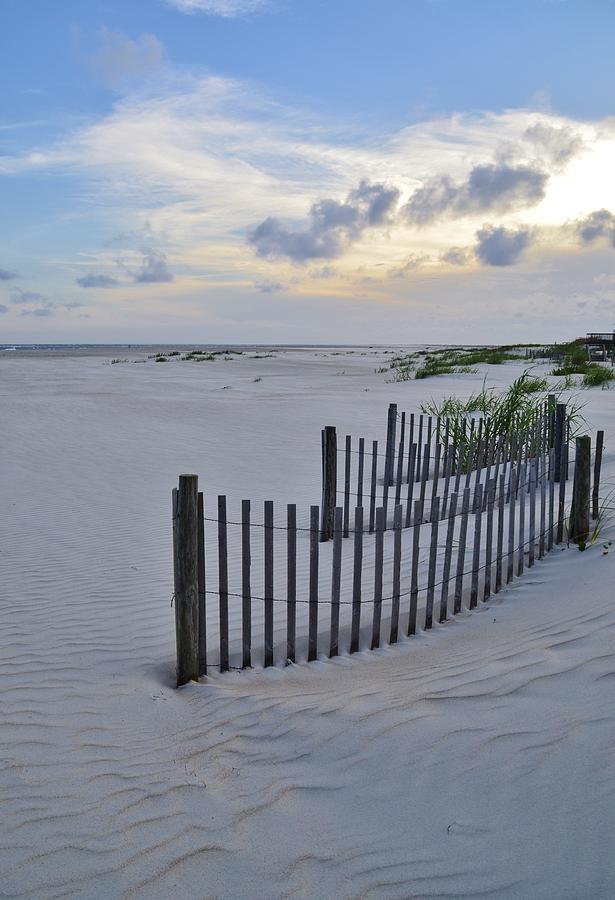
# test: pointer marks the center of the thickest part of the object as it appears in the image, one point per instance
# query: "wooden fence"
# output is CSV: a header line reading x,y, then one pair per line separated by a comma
x,y
252,590
420,449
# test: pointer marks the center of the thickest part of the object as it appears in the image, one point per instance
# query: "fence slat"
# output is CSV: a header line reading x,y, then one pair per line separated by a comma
x,y
532,537
560,438
478,517
410,442
396,574
543,507
490,492
597,467
400,472
356,580
461,552
378,565
433,554
329,480
521,553
419,448
479,463
448,468
500,538
436,473
291,581
448,552
223,583
561,494
372,492
510,561
202,593
347,458
389,460
246,589
336,581
410,489
551,498
313,588
414,576
268,535
360,472
424,475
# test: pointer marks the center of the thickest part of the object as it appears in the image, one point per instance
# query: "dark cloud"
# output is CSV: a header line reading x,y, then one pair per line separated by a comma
x,y
20,297
3,309
96,281
120,59
498,246
5,275
600,223
332,225
456,256
269,287
493,186
557,145
154,269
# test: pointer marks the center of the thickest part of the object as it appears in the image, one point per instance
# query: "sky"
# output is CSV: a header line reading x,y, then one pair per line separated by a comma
x,y
298,171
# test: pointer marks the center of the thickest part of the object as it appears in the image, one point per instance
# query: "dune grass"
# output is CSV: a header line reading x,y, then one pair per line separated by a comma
x,y
450,361
503,412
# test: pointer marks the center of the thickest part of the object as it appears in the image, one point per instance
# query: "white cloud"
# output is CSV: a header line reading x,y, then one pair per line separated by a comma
x,y
202,161
228,9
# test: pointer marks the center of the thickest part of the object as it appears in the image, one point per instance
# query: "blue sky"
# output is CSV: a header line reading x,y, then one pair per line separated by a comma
x,y
244,170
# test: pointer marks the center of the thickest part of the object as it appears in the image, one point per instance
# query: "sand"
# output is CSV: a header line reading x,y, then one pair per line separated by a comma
x,y
476,760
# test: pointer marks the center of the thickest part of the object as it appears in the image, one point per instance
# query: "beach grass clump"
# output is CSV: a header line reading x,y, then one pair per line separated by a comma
x,y
597,376
199,356
515,409
593,373
450,361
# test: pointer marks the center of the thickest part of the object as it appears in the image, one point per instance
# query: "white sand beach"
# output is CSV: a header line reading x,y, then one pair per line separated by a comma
x,y
473,761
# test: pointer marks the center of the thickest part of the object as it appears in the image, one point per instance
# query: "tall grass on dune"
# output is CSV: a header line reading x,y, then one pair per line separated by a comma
x,y
514,410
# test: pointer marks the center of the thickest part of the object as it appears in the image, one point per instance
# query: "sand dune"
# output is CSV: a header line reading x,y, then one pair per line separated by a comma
x,y
476,760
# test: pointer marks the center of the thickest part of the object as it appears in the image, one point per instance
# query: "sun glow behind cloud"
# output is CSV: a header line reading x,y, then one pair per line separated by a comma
x,y
190,166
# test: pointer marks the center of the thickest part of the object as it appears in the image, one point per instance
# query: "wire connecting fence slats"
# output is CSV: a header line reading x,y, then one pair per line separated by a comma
x,y
448,543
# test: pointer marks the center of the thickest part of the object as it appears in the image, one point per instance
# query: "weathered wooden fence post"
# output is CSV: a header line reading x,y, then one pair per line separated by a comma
x,y
390,446
551,404
186,572
597,467
579,515
329,481
560,436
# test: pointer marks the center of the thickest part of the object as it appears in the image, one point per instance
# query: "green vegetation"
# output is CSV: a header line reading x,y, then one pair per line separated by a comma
x,y
571,358
199,356
503,413
573,361
597,375
449,361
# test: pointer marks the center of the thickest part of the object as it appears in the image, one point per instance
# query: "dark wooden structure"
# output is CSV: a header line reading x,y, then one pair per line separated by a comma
x,y
600,345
